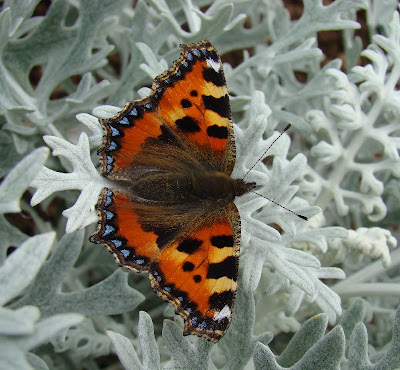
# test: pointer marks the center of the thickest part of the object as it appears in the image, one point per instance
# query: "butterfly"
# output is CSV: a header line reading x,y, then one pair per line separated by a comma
x,y
172,212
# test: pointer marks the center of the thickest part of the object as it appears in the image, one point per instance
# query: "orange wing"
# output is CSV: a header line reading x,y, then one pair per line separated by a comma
x,y
198,274
188,107
120,230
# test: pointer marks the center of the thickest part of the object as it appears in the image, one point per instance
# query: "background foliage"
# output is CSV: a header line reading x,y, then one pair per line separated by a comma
x,y
64,302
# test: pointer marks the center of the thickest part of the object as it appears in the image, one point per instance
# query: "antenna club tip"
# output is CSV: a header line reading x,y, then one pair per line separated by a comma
x,y
303,217
287,127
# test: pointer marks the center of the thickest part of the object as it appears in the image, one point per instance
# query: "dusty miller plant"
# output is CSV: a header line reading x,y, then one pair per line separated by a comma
x,y
64,303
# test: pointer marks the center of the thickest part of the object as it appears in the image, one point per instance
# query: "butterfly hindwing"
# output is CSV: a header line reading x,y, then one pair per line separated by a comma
x,y
198,275
120,230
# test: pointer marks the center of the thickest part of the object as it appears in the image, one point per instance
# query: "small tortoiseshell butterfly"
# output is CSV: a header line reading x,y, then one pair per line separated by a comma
x,y
174,216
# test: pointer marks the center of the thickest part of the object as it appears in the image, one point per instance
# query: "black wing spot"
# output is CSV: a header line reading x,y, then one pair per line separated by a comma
x,y
219,132
216,78
187,124
186,103
222,241
189,246
218,105
226,268
197,278
188,266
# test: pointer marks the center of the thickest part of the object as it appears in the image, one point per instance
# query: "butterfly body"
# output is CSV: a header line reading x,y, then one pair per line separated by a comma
x,y
174,215
208,189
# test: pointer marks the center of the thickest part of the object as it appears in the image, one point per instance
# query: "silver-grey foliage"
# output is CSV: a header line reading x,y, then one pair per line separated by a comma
x,y
340,167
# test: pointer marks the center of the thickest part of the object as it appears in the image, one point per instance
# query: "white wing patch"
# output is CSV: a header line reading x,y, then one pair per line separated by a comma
x,y
216,66
224,313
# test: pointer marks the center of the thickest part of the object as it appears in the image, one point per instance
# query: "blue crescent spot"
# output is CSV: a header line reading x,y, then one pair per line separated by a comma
x,y
188,309
189,56
108,201
124,121
108,230
180,299
202,325
147,106
185,64
159,278
194,320
133,112
114,131
167,80
109,168
110,159
196,52
125,252
112,146
109,214
178,73
139,261
117,243
167,289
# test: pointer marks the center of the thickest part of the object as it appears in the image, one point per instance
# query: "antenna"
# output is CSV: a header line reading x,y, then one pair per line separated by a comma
x,y
280,205
258,160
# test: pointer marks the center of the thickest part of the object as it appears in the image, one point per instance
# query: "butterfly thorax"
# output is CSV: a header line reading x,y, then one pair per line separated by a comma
x,y
202,186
